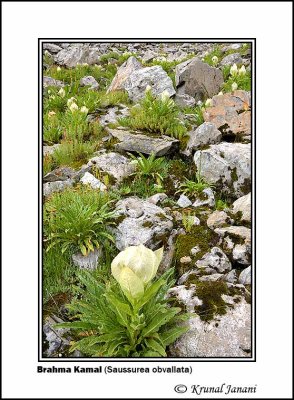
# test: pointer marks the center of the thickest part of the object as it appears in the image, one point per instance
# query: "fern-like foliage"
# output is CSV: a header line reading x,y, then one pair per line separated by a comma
x,y
108,325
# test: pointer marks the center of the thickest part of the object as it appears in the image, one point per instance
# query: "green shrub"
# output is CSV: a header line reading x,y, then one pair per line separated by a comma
x,y
110,325
73,153
156,115
52,130
151,166
77,219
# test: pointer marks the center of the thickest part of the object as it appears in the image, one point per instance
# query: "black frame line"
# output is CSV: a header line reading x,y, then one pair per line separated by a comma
x,y
252,41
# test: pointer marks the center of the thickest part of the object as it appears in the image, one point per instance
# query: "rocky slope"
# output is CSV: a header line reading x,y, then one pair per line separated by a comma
x,y
205,230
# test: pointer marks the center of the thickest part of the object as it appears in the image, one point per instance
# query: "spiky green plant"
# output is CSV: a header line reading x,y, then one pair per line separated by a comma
x,y
77,219
108,324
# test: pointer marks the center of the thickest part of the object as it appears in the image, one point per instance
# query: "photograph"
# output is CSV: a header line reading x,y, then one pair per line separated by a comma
x,y
146,199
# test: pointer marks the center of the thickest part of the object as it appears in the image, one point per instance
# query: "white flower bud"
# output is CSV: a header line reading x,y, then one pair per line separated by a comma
x,y
234,70
234,86
208,103
214,60
73,107
242,71
61,92
84,109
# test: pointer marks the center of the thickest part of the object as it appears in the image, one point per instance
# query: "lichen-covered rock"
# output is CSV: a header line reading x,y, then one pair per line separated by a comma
x,y
218,219
206,133
57,186
234,58
216,259
51,47
206,198
89,81
228,165
144,223
48,81
184,100
113,164
243,205
57,339
89,179
198,79
122,74
90,261
60,174
227,335
144,144
78,53
236,241
231,113
48,150
113,114
184,201
155,77
245,276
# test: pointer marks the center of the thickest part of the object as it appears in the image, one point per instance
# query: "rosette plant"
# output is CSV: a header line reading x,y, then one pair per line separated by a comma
x,y
130,315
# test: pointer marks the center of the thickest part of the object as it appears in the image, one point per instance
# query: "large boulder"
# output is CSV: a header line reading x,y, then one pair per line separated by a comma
x,y
228,166
124,71
198,79
231,113
51,47
206,133
76,54
230,59
243,205
155,77
226,335
215,259
128,141
114,164
48,81
143,223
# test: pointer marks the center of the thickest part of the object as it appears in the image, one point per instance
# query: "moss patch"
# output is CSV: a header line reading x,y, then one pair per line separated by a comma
x,y
211,295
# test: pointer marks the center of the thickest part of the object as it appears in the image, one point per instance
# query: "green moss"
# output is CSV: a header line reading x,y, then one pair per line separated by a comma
x,y
234,175
147,224
212,302
200,236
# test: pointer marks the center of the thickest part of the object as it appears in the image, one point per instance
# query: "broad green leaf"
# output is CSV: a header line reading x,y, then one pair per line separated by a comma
x,y
154,345
160,320
171,335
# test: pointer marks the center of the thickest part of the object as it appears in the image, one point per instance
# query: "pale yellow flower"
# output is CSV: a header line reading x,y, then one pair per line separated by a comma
x,y
242,70
208,103
61,92
214,60
234,86
73,107
58,69
84,109
51,113
234,70
135,267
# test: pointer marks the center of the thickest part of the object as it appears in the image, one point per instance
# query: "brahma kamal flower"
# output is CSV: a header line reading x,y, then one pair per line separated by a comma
x,y
220,94
214,60
148,88
208,103
58,69
73,107
165,95
84,109
242,70
134,267
234,86
70,101
234,70
61,92
51,114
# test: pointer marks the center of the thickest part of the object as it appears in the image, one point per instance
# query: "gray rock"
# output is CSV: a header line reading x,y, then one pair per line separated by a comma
x,y
216,259
198,79
231,276
58,338
60,174
144,223
57,186
89,179
217,219
122,74
112,115
47,150
206,133
227,335
184,100
157,198
51,47
89,81
243,205
234,58
89,261
185,296
242,254
228,165
143,143
207,199
149,56
169,251
211,278
184,201
245,276
77,54
48,81
155,77
241,232
177,56
113,164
